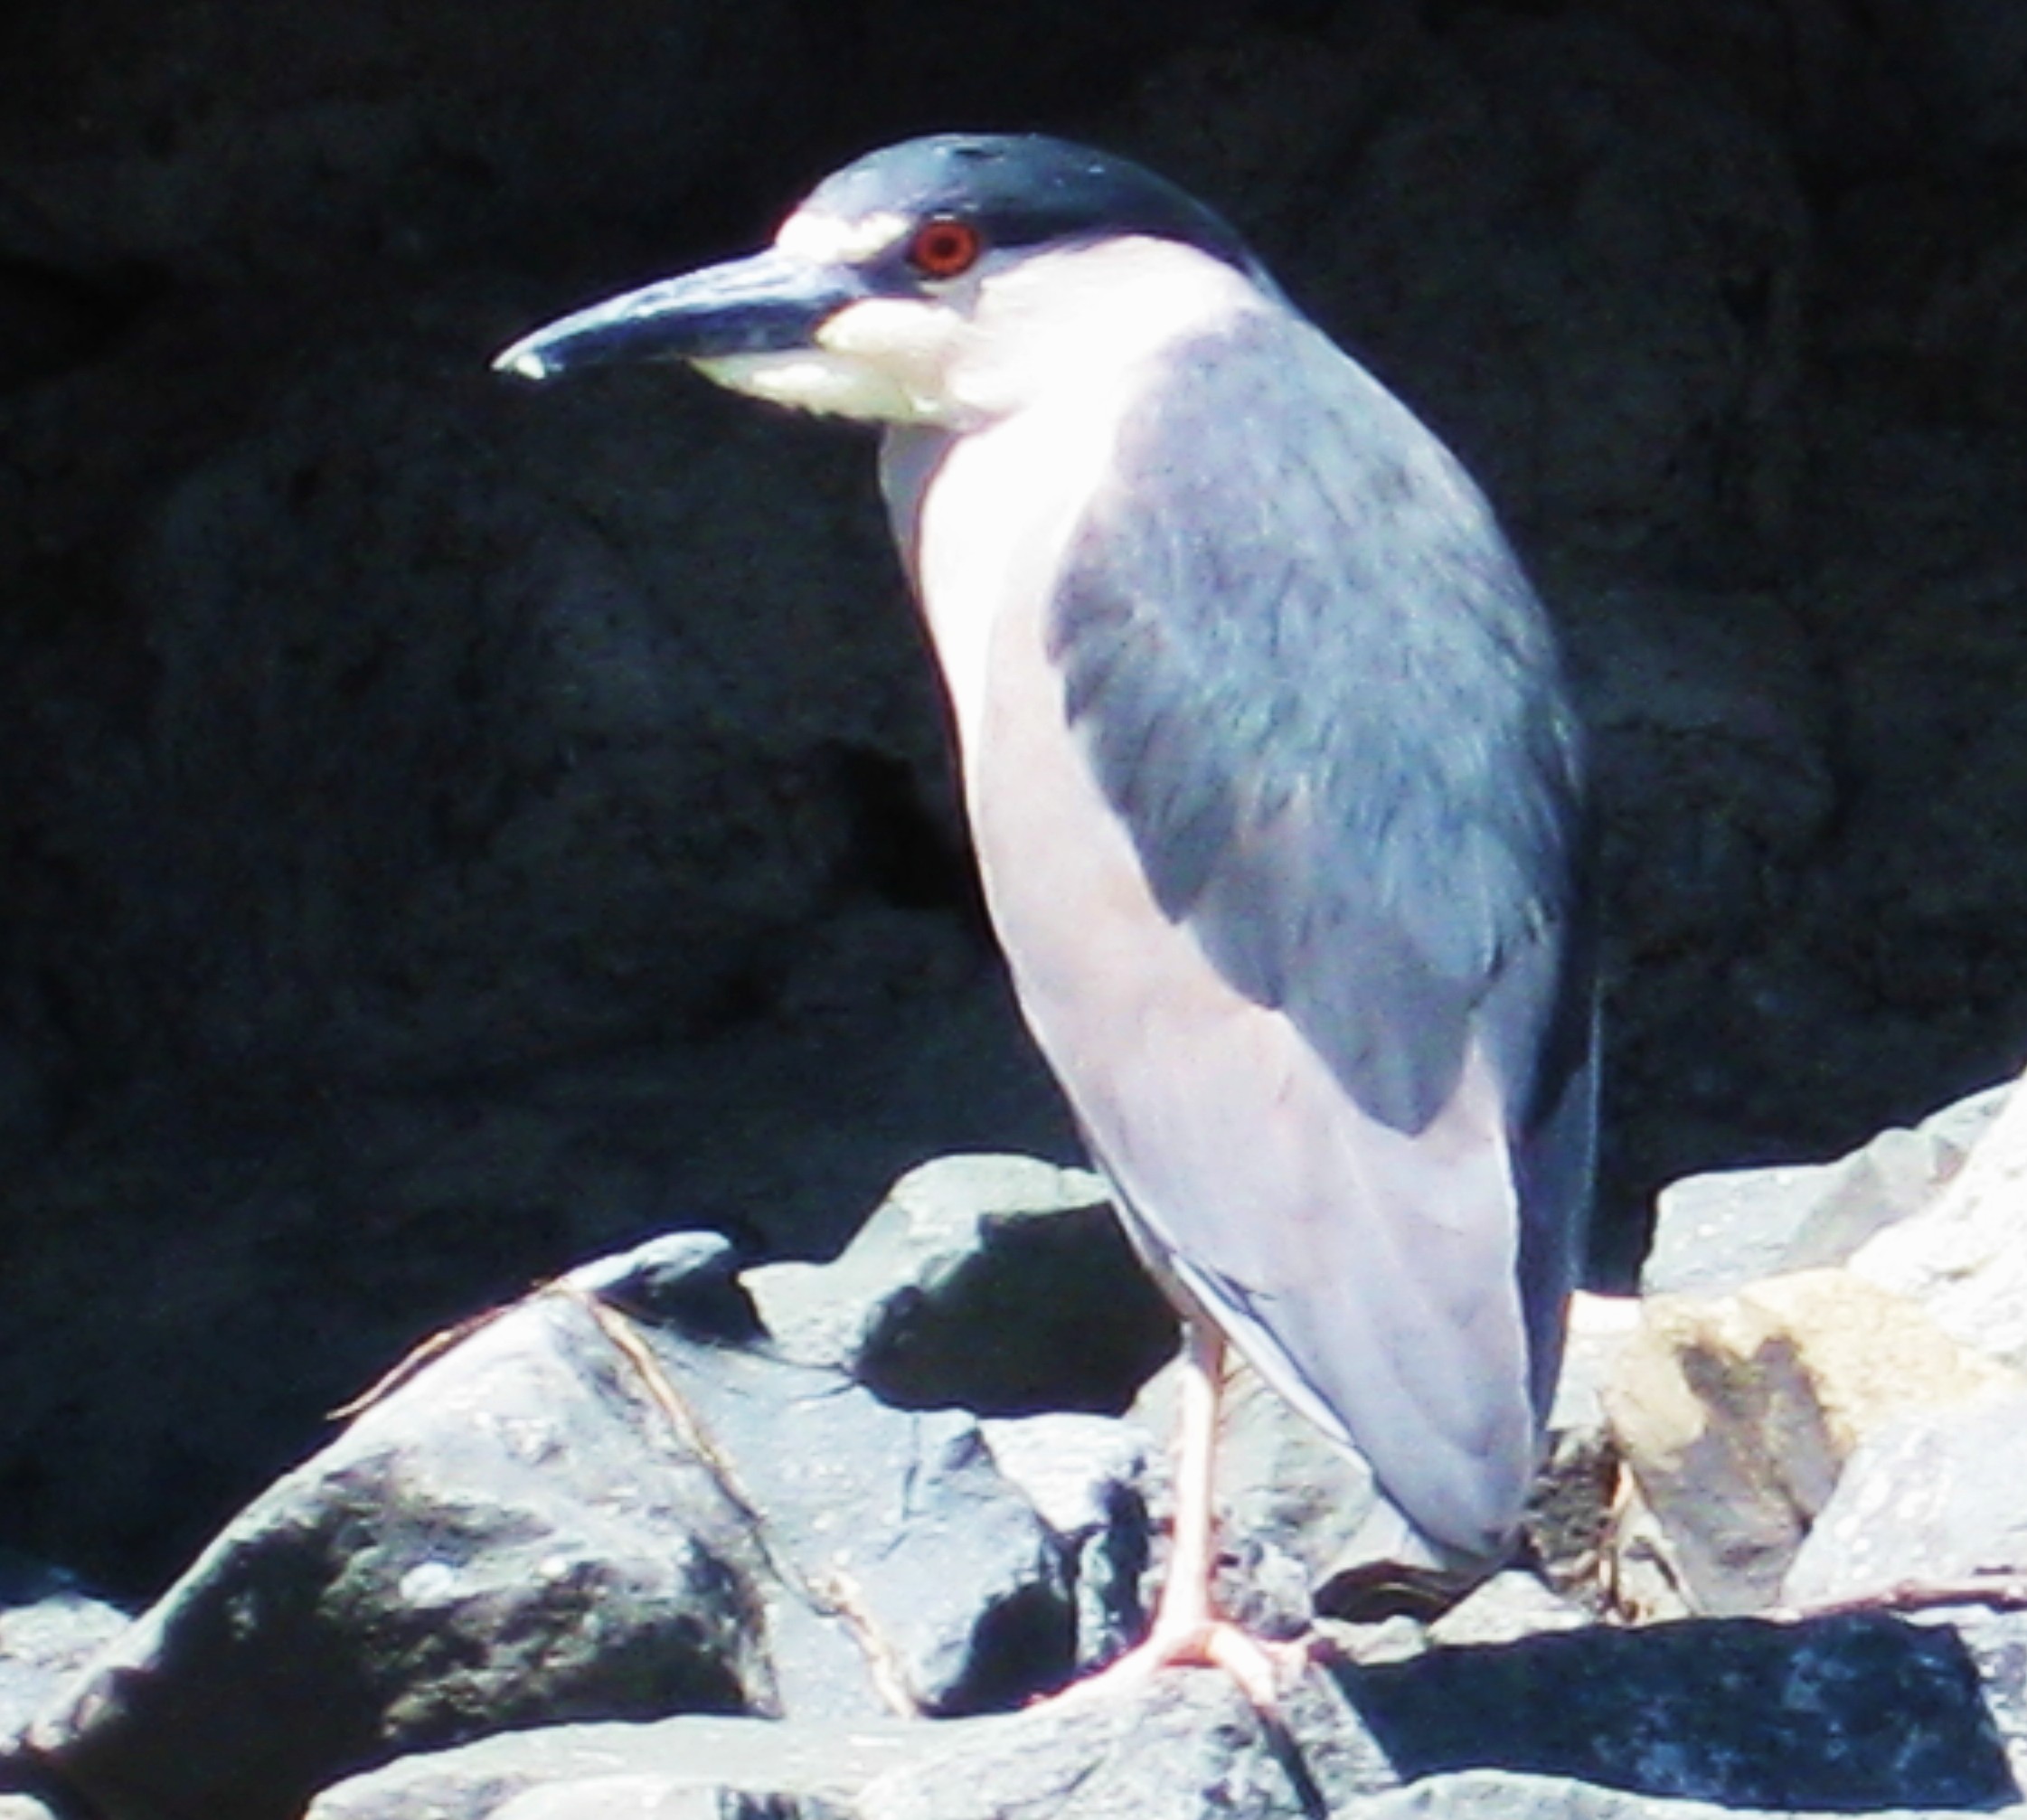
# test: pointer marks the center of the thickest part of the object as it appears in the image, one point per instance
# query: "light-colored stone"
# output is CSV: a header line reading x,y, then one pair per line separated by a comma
x,y
1719,1231
1964,1257
1736,1415
1935,1500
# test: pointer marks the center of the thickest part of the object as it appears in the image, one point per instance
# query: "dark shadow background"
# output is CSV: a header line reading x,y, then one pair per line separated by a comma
x,y
447,830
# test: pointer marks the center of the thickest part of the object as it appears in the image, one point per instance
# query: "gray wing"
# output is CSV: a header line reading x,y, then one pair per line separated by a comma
x,y
1313,683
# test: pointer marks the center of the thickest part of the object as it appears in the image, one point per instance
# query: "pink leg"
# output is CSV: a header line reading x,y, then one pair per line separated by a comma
x,y
1185,1629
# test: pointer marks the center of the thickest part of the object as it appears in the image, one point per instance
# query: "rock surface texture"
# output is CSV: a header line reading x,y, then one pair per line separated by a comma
x,y
663,1538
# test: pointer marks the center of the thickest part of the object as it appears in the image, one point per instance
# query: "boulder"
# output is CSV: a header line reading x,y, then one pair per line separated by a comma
x,y
1716,1232
576,1510
1964,1255
50,1627
1926,1503
645,1543
1846,1714
1736,1415
1001,1284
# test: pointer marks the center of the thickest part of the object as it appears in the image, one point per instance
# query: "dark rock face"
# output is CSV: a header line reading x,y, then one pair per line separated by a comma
x,y
1741,1714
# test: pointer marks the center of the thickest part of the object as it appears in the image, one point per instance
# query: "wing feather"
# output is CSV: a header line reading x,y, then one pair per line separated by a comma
x,y
1315,684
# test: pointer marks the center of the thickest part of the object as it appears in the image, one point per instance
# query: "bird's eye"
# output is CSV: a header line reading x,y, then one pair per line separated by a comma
x,y
944,248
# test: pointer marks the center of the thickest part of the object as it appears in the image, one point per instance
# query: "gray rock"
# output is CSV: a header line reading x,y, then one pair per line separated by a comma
x,y
723,1768
1089,1477
1717,1231
1072,1469
458,1563
545,1522
1931,1501
15,1806
1996,1638
508,1538
1505,1608
1855,1712
999,1283
1963,1257
1185,1746
687,1280
1720,1231
50,1627
1499,1795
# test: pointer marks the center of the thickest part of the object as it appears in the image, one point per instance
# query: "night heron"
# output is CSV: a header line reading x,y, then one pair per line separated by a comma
x,y
1274,785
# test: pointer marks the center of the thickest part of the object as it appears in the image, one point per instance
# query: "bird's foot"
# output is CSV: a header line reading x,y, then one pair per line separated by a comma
x,y
1260,1668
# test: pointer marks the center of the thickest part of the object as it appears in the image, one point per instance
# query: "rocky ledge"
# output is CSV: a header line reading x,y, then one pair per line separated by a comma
x,y
670,1537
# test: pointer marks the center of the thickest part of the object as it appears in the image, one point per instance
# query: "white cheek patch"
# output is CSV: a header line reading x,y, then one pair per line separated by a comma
x,y
829,241
811,379
882,360
909,342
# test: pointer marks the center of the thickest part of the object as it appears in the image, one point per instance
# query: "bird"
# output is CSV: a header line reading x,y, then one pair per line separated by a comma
x,y
1273,778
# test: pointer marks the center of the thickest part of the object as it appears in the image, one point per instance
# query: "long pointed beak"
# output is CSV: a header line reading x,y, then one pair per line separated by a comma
x,y
771,303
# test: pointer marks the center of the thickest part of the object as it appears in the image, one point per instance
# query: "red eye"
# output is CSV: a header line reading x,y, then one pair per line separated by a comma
x,y
944,248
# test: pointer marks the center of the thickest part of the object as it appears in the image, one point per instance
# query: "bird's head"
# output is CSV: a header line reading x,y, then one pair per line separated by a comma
x,y
943,282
